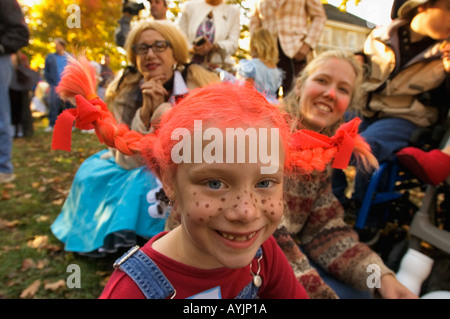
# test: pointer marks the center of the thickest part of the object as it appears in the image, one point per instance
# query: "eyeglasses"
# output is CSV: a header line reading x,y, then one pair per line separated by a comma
x,y
157,47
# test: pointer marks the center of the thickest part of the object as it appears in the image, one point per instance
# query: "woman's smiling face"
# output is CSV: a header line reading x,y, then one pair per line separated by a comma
x,y
326,94
155,64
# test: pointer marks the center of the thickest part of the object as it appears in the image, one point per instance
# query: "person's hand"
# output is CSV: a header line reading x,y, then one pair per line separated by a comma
x,y
446,56
204,48
391,288
303,52
154,94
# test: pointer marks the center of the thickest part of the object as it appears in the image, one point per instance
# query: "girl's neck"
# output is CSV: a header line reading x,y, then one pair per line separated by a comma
x,y
176,245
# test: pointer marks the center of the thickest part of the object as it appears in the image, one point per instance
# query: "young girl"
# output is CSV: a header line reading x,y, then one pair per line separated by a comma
x,y
262,69
221,154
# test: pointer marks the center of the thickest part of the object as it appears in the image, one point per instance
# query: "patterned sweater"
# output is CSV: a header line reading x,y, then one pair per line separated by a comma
x,y
314,219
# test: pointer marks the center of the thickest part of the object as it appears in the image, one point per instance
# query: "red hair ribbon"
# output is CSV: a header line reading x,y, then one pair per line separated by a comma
x,y
343,140
85,114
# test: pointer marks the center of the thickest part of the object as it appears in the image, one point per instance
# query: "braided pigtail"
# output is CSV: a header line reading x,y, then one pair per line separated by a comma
x,y
78,82
78,78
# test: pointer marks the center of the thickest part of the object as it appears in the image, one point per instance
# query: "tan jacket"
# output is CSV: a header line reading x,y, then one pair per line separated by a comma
x,y
394,93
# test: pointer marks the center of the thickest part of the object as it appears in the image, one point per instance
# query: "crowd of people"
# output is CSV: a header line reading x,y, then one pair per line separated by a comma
x,y
202,221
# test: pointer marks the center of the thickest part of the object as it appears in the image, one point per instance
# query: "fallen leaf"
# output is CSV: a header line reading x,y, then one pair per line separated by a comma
x,y
5,195
31,290
11,248
28,263
47,181
8,224
57,179
11,283
53,247
9,186
35,184
38,241
58,202
42,218
55,285
42,263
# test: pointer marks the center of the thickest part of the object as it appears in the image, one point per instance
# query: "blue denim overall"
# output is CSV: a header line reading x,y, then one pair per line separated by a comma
x,y
154,285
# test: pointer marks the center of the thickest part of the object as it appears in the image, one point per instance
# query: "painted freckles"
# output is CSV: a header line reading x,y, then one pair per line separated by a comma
x,y
267,205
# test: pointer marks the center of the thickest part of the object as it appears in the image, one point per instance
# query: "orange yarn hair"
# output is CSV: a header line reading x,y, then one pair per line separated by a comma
x,y
219,105
79,79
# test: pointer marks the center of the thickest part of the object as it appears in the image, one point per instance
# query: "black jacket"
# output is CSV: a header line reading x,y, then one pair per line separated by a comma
x,y
14,32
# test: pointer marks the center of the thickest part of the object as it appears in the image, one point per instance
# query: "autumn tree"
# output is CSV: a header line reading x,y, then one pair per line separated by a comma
x,y
89,25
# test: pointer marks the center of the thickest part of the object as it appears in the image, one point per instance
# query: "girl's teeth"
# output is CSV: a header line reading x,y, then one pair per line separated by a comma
x,y
237,238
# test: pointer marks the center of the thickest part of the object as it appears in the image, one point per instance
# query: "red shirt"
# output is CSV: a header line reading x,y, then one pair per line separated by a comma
x,y
278,280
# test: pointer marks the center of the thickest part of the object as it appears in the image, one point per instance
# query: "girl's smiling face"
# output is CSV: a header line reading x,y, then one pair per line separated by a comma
x,y
326,93
227,209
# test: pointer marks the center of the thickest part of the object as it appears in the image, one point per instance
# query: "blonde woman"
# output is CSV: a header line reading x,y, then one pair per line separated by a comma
x,y
96,219
325,89
262,69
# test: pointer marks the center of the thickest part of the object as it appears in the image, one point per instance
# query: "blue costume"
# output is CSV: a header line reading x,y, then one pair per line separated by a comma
x,y
109,206
266,80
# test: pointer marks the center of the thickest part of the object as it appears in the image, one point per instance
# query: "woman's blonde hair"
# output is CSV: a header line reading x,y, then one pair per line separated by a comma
x,y
168,30
291,101
264,46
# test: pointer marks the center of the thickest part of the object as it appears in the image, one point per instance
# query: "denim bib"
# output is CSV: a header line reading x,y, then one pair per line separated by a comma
x,y
154,285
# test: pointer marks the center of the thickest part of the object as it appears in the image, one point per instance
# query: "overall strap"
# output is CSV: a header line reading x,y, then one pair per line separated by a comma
x,y
144,272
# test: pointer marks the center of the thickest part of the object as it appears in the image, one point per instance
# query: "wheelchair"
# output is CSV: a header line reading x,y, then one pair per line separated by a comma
x,y
406,220
391,182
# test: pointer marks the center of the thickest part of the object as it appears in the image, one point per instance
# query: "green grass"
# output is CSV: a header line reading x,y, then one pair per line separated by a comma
x,y
28,206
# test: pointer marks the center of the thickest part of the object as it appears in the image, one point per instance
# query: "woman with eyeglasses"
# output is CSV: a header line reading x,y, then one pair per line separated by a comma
x,y
95,219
